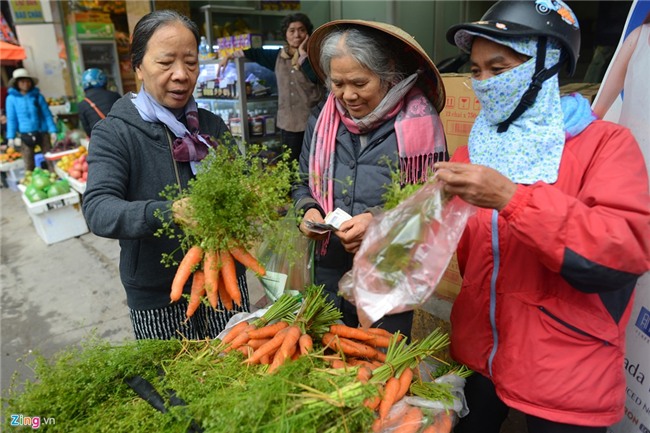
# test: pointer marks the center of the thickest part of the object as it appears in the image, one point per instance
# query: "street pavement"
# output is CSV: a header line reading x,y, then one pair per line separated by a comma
x,y
53,296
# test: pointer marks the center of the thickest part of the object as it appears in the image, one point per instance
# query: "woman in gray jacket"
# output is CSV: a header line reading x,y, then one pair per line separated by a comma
x,y
381,113
147,142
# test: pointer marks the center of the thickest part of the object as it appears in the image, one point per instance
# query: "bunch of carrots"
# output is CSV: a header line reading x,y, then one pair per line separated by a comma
x,y
213,275
380,357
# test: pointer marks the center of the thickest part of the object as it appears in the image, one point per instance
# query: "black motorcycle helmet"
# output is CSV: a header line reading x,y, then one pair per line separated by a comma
x,y
540,18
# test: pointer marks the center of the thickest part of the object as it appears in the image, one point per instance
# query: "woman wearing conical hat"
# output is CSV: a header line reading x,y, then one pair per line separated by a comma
x,y
385,94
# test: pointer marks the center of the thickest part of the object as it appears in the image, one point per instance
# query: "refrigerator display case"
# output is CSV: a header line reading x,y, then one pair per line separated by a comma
x,y
234,97
102,54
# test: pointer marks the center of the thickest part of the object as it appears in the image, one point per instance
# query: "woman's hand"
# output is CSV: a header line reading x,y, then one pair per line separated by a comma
x,y
302,49
181,211
352,231
314,215
476,184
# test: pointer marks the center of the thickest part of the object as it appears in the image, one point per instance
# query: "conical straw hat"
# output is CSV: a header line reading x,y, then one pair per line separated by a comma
x,y
414,55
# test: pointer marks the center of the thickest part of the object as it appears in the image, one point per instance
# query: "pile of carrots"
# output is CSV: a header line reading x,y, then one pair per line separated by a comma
x,y
380,357
214,275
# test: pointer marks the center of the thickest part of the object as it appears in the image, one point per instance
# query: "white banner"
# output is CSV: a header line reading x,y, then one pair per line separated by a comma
x,y
627,75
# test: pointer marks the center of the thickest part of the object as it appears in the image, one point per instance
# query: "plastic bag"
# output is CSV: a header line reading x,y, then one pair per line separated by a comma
x,y
402,418
287,258
404,254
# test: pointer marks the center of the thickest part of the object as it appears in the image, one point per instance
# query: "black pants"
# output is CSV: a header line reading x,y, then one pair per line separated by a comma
x,y
293,141
487,412
29,142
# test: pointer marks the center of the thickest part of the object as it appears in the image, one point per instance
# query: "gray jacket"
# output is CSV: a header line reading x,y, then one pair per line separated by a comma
x,y
361,177
130,163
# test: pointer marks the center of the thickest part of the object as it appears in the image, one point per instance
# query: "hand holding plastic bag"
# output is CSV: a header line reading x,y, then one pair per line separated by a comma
x,y
405,253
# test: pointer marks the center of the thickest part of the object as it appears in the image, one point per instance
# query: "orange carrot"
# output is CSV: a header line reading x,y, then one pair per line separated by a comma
x,y
444,421
236,330
248,260
256,343
245,350
431,429
224,296
372,402
211,271
349,332
362,363
364,374
404,383
393,418
380,356
198,289
378,341
230,276
241,339
338,363
268,347
268,331
305,343
411,421
347,346
354,348
390,392
383,333
290,342
266,359
191,259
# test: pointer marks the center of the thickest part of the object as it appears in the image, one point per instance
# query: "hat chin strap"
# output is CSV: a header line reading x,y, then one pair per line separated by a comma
x,y
541,74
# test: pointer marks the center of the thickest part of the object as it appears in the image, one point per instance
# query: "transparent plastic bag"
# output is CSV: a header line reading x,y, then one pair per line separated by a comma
x,y
401,418
404,253
287,258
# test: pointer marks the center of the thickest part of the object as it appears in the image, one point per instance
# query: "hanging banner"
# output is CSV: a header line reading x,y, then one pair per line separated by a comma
x,y
624,97
27,11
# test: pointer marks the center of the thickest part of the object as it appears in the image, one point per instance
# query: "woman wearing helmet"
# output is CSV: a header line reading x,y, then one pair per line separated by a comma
x,y
98,100
551,258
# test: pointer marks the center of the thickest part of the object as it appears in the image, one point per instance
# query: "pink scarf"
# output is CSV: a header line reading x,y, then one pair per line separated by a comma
x,y
420,139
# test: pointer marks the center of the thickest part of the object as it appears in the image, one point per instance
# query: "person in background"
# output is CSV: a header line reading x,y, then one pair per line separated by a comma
x,y
28,117
551,258
147,142
381,113
629,71
298,87
98,99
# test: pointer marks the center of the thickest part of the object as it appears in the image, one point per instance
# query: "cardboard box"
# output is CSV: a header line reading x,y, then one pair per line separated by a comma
x,y
461,109
58,218
588,90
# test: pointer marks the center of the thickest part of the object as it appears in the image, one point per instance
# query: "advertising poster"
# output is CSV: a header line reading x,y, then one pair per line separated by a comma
x,y
624,97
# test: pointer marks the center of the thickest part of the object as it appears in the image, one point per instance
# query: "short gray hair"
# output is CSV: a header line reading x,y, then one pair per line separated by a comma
x,y
372,49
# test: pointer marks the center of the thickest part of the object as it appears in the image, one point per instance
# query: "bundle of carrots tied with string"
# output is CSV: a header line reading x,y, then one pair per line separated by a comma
x,y
386,365
229,206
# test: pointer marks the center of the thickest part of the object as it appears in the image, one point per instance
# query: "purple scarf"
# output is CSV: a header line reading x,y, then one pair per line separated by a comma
x,y
189,145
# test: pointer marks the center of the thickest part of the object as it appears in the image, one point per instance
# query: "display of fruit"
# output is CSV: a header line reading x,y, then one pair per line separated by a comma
x,y
10,155
56,101
42,184
79,169
65,163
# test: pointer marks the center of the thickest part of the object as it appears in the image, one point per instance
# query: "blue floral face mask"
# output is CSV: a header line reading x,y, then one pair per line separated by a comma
x,y
531,149
500,94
